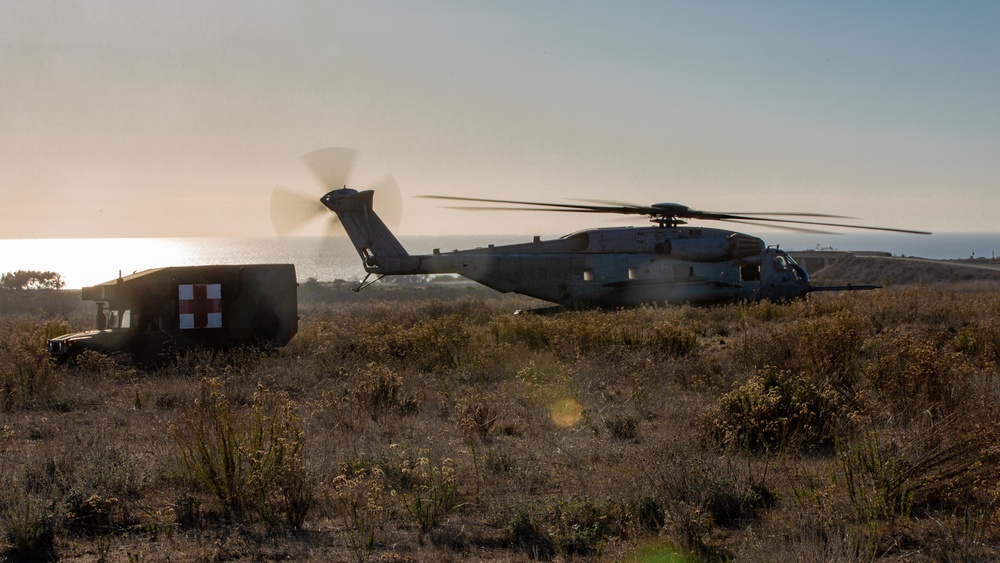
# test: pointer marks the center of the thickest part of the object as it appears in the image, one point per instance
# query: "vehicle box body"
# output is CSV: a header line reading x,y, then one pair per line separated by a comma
x,y
153,313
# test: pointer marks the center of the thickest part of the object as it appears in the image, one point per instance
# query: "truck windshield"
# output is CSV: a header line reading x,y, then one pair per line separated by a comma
x,y
120,319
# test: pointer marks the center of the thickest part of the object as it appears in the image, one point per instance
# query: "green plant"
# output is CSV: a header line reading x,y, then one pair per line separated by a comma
x,y
361,501
581,527
527,532
30,531
433,493
31,279
248,458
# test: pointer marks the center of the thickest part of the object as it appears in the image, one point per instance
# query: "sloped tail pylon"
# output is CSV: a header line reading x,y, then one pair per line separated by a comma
x,y
380,251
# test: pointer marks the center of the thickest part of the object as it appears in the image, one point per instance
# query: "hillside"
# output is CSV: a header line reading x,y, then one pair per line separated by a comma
x,y
892,270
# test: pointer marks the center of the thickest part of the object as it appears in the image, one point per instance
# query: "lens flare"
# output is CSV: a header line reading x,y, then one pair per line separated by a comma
x,y
566,412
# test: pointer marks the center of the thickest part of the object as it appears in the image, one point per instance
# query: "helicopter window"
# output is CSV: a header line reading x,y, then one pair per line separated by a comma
x,y
633,274
126,321
779,264
578,242
681,271
588,274
800,272
662,247
750,272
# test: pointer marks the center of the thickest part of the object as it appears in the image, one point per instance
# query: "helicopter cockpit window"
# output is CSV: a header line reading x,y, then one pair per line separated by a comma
x,y
780,265
800,272
578,242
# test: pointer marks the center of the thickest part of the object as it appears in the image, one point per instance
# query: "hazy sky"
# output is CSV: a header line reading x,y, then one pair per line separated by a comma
x,y
123,118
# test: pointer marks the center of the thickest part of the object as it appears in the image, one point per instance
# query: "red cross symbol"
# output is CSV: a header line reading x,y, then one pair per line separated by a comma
x,y
200,305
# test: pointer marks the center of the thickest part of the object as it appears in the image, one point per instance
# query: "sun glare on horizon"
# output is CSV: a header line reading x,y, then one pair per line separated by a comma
x,y
86,262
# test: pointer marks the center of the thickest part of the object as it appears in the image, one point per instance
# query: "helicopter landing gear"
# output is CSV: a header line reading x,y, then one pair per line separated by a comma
x,y
365,283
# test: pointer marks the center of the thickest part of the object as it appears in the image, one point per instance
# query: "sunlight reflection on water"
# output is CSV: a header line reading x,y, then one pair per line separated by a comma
x,y
84,262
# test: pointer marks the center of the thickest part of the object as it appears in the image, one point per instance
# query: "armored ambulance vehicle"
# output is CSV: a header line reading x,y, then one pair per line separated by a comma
x,y
155,313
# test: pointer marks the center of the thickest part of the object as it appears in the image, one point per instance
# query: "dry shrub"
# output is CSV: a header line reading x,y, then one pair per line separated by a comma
x,y
980,341
936,466
775,409
377,390
527,532
830,346
478,416
576,334
581,526
361,499
432,493
93,515
249,459
570,527
911,374
694,492
757,346
27,378
825,346
429,335
29,528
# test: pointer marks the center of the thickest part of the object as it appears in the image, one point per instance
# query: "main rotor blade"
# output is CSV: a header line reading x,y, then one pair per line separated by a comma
x,y
782,214
290,210
763,213
661,211
783,227
332,166
723,217
539,206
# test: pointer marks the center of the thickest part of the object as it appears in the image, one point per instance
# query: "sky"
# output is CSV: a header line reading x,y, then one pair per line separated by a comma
x,y
179,118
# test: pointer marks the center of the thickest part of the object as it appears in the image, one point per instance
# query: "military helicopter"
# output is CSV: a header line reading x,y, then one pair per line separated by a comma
x,y
669,262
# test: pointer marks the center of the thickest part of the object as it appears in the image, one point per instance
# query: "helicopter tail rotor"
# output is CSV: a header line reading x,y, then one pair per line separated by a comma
x,y
294,212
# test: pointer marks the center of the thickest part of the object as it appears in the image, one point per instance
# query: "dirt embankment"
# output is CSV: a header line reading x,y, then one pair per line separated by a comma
x,y
896,271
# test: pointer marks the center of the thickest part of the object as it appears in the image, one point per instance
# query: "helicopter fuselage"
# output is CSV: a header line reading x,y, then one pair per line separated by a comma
x,y
610,267
628,266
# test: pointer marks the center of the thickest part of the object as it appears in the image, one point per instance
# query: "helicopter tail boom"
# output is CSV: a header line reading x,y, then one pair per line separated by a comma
x,y
379,249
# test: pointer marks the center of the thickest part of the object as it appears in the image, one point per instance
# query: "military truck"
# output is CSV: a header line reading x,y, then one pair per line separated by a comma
x,y
155,313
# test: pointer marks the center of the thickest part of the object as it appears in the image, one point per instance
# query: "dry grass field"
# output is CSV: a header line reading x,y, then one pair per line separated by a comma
x,y
417,426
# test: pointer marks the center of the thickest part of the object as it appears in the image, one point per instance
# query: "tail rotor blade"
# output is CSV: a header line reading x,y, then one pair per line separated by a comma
x,y
333,227
388,201
332,166
290,211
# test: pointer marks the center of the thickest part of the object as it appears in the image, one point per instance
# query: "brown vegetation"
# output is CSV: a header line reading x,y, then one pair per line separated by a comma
x,y
855,427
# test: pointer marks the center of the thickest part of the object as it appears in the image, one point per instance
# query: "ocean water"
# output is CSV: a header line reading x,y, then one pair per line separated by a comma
x,y
83,262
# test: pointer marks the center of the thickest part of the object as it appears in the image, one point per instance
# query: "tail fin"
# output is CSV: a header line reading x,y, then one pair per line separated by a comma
x,y
379,249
